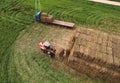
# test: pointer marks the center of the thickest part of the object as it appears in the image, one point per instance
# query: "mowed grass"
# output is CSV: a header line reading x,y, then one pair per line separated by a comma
x,y
85,13
18,65
14,16
34,66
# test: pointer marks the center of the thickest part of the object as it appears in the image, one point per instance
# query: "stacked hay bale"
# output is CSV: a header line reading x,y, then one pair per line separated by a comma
x,y
59,51
43,17
90,54
49,19
46,18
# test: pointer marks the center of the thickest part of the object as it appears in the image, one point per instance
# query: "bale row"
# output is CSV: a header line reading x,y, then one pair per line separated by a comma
x,y
97,61
59,53
101,47
96,53
102,72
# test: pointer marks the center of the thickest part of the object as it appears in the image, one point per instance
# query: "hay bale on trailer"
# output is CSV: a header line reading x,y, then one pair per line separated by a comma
x,y
43,19
50,19
44,15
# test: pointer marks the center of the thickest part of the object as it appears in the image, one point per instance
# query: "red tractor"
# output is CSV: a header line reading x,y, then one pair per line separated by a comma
x,y
47,49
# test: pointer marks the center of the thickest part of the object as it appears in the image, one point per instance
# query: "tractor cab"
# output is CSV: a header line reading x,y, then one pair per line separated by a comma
x,y
47,49
37,16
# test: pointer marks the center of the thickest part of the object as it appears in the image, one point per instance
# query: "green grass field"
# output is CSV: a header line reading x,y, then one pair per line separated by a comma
x,y
18,29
